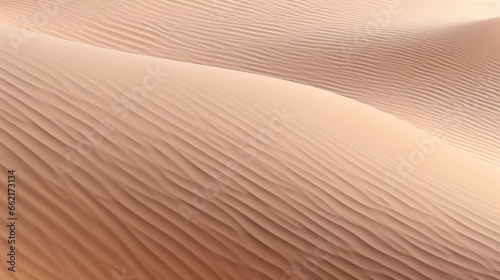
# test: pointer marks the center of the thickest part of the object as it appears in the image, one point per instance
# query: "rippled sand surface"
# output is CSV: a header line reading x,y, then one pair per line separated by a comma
x,y
251,139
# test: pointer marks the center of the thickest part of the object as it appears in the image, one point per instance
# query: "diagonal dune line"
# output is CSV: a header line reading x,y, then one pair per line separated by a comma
x,y
173,170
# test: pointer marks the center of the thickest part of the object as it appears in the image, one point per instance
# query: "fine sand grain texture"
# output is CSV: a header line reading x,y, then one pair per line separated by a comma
x,y
136,166
432,63
280,140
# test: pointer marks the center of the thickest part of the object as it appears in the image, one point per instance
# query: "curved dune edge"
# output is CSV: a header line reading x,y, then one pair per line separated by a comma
x,y
434,64
178,187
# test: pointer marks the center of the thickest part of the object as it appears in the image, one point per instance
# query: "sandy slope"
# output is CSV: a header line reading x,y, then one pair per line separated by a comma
x,y
434,64
216,174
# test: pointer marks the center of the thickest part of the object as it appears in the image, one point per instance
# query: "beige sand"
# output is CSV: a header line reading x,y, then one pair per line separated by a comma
x,y
434,64
138,167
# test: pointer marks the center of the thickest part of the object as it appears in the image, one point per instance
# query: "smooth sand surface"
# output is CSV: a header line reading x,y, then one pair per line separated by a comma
x,y
133,165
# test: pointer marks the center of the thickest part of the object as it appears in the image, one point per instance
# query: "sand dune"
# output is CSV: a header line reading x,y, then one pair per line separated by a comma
x,y
136,167
434,64
251,139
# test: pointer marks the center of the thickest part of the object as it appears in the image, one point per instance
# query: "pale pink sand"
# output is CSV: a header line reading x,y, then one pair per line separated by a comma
x,y
432,63
137,166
